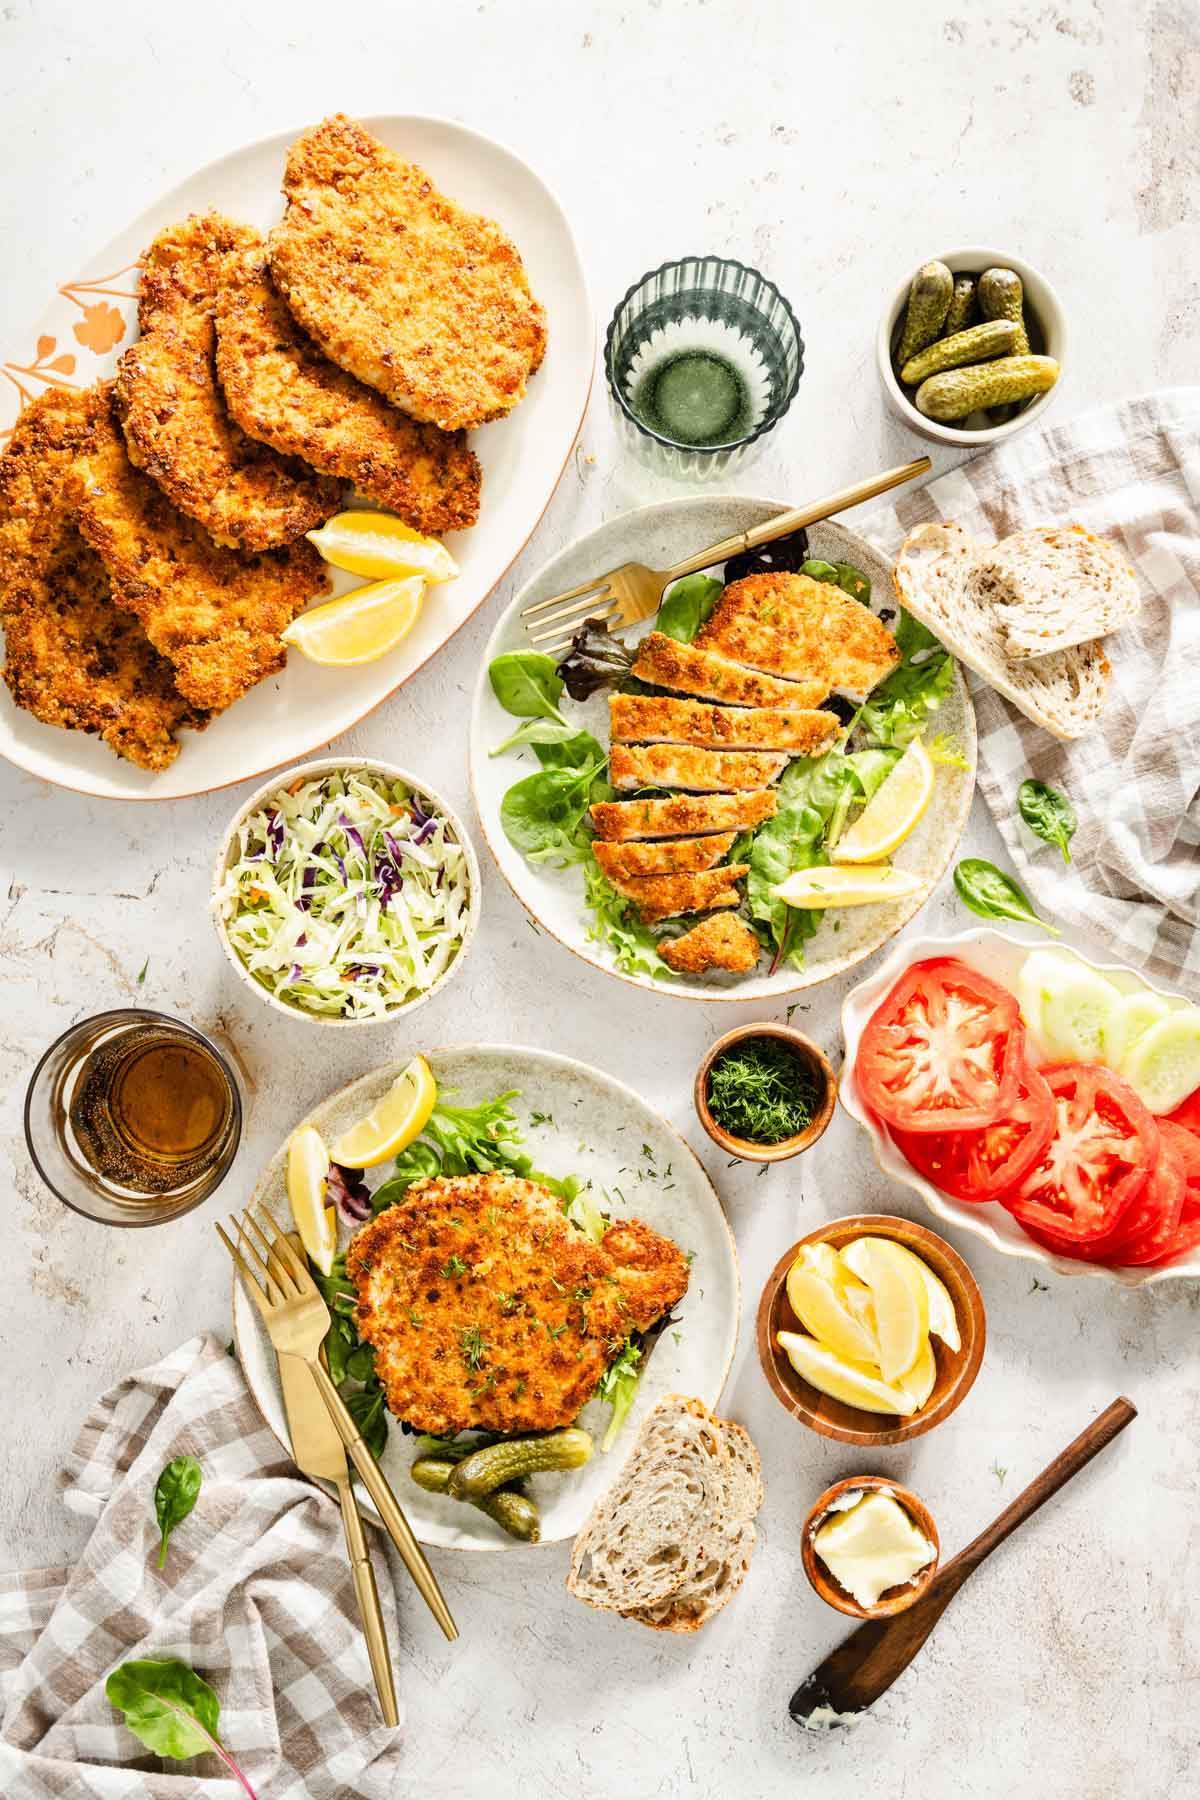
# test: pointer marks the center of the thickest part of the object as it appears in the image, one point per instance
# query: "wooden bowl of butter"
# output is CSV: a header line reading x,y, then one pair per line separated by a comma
x,y
870,1548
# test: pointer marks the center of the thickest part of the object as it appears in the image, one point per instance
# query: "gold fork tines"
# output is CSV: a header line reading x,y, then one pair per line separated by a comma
x,y
628,594
297,1319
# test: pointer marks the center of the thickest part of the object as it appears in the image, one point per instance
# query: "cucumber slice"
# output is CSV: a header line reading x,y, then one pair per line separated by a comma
x,y
1163,1067
1039,974
1083,1016
1141,1012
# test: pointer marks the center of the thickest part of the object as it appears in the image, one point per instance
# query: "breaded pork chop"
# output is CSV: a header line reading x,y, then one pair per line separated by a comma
x,y
73,658
691,669
488,1310
176,424
672,856
651,719
791,626
215,614
280,390
629,821
720,941
400,286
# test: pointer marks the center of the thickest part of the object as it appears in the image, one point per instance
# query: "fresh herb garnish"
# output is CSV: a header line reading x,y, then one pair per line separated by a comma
x,y
992,894
760,1091
471,1345
1048,814
454,1265
172,1710
175,1493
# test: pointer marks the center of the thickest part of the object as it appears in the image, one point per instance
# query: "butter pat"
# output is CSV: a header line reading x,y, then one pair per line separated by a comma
x,y
872,1545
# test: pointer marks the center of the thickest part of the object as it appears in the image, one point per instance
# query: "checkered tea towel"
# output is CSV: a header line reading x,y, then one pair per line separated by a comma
x,y
1130,472
256,1595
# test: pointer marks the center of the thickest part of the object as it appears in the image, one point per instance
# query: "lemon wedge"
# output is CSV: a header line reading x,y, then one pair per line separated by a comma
x,y
381,546
851,886
390,1127
822,1310
307,1173
361,626
943,1321
900,1302
918,1381
894,811
855,1384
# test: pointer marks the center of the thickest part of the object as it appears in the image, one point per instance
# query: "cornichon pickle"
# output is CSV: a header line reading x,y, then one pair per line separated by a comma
x,y
1001,296
996,337
962,306
929,300
513,1512
956,392
506,1461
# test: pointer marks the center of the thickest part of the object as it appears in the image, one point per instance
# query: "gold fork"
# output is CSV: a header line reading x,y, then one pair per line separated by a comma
x,y
297,1320
627,595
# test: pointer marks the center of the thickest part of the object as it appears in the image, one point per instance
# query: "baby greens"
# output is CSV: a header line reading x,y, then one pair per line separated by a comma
x,y
527,684
543,814
175,1493
901,706
992,894
172,1710
687,606
1048,814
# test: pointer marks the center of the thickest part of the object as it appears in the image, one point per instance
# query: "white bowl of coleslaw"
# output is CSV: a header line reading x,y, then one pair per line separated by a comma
x,y
346,892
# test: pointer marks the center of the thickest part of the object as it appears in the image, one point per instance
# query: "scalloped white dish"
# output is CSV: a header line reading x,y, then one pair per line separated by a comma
x,y
999,956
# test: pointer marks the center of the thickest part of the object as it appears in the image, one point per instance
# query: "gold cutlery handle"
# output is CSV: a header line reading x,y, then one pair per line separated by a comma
x,y
368,1603
379,1488
785,522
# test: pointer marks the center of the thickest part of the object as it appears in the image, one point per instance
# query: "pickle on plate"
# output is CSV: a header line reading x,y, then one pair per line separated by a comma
x,y
512,1511
497,1464
963,306
956,392
978,343
929,300
1002,296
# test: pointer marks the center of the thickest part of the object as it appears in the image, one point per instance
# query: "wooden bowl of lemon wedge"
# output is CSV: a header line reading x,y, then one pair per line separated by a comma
x,y
871,1330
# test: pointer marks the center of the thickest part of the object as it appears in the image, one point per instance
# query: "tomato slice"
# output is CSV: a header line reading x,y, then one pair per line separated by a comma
x,y
1186,1145
975,1166
1147,1228
1187,1113
943,1051
1104,1147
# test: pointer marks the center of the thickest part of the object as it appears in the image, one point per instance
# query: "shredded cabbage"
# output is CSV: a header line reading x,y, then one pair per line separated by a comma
x,y
345,897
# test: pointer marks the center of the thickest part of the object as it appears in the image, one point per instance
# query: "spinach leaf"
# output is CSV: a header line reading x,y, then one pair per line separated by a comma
x,y
367,1410
1048,814
852,581
420,1162
543,815
537,732
570,753
992,894
175,1493
817,569
687,606
789,841
527,684
172,1711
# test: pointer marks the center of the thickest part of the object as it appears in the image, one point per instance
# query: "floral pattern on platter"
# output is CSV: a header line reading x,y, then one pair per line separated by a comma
x,y
100,329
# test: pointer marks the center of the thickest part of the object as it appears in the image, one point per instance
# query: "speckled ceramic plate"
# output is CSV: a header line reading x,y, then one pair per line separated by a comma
x,y
659,536
92,319
994,954
590,1125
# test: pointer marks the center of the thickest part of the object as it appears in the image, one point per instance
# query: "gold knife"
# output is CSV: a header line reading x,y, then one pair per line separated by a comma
x,y
319,1452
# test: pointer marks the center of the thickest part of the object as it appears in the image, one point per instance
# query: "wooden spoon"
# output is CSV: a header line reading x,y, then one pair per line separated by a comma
x,y
854,1675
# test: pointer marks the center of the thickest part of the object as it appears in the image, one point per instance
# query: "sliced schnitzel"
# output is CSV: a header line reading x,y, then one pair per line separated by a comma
x,y
488,1310
651,719
280,390
73,658
675,856
720,941
176,424
691,669
399,285
659,897
700,771
805,630
628,821
215,614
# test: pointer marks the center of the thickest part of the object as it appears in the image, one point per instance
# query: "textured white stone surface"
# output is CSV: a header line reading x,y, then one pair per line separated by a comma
x,y
834,147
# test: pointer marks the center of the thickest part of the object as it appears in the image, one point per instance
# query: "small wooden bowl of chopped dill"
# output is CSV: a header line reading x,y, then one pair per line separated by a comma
x,y
765,1092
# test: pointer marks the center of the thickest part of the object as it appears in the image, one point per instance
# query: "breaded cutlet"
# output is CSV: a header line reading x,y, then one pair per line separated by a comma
x,y
488,1310
678,815
177,427
659,897
282,391
672,856
691,669
73,658
652,719
400,286
720,941
215,614
794,627
698,771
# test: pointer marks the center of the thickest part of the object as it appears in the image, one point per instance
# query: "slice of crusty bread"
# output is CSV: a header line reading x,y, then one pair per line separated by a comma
x,y
1064,692
1053,587
670,1543
650,1533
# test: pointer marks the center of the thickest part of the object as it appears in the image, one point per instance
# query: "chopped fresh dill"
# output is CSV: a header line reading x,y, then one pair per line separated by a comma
x,y
472,1346
455,1266
760,1091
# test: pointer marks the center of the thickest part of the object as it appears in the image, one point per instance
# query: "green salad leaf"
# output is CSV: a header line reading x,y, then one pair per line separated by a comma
x,y
901,706
172,1710
617,1388
175,1494
688,605
1048,814
543,815
992,894
527,684
633,945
